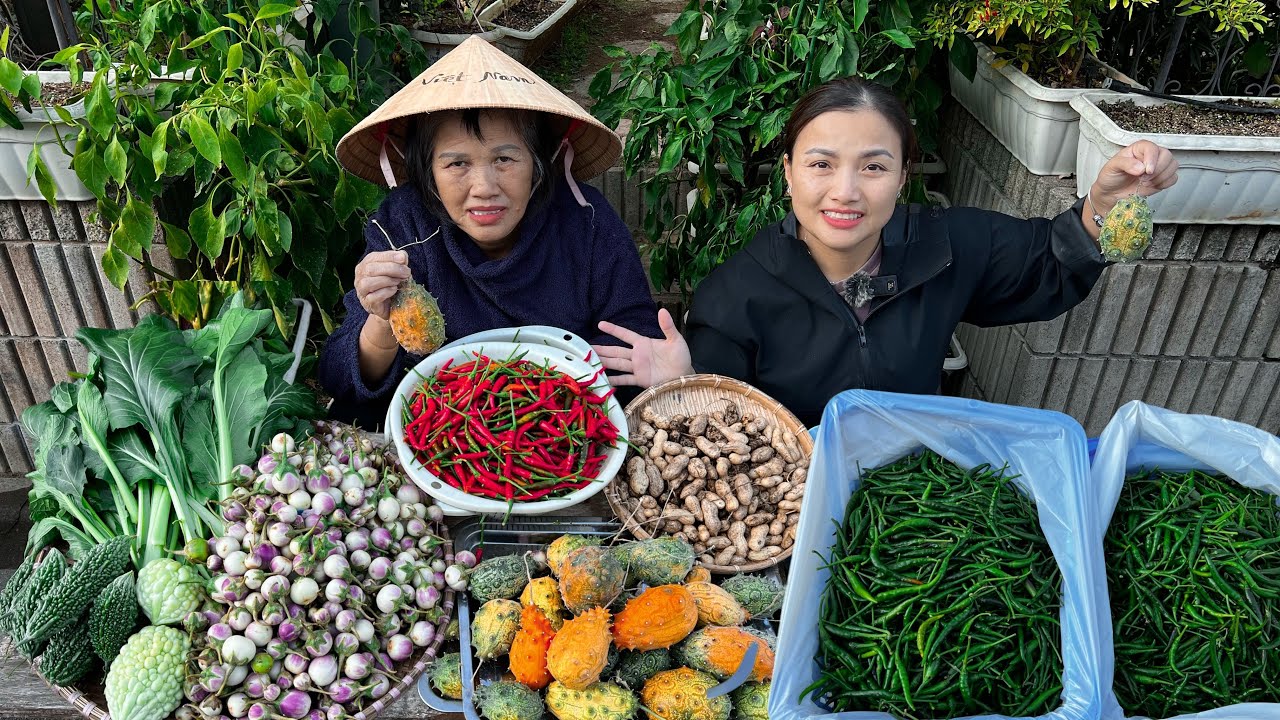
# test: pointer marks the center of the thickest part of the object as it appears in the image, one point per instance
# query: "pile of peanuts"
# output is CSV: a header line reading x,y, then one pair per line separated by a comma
x,y
729,484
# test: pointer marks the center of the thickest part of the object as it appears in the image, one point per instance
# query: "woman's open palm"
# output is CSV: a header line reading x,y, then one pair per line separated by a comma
x,y
647,361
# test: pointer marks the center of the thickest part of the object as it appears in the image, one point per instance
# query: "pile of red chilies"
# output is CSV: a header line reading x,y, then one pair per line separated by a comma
x,y
509,429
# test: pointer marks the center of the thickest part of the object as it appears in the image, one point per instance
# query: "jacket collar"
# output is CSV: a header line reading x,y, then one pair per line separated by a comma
x,y
916,247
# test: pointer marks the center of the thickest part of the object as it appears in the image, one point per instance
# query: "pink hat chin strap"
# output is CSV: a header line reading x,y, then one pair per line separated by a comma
x,y
383,161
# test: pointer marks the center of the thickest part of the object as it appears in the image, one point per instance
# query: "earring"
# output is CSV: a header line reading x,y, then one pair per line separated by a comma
x,y
788,188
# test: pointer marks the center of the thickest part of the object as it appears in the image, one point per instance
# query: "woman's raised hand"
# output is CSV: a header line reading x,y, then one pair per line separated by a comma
x,y
647,361
1142,168
378,277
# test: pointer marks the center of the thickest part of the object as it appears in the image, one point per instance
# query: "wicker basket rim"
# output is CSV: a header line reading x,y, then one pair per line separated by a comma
x,y
732,386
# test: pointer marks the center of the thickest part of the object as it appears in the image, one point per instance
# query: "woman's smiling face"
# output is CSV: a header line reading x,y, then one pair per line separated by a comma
x,y
845,172
484,182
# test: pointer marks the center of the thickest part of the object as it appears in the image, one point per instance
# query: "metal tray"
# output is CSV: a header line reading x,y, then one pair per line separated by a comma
x,y
488,536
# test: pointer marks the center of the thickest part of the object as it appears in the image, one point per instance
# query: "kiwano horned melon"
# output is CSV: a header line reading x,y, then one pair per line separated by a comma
x,y
716,606
751,701
446,675
600,701
661,561
529,649
544,593
1127,229
500,577
757,594
580,650
698,574
509,701
766,635
681,694
720,650
590,577
560,548
660,617
416,320
494,627
636,667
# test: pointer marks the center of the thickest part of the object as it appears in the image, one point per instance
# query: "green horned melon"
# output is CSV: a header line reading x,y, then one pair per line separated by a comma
x,y
500,577
1127,229
751,701
416,320
661,561
495,627
509,701
599,701
636,667
560,548
446,675
758,595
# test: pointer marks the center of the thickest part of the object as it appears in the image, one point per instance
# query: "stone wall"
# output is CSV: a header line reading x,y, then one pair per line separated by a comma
x,y
1191,327
51,284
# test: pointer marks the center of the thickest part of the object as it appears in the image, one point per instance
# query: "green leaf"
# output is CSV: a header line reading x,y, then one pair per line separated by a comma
x,y
204,138
115,266
964,55
44,181
344,198
237,17
100,108
200,441
266,222
672,153
139,221
830,64
272,10
860,8
284,403
117,161
4,41
233,156
42,505
615,52
48,427
10,75
123,240
176,240
206,37
899,38
235,58
285,231
63,396
147,28
64,472
207,230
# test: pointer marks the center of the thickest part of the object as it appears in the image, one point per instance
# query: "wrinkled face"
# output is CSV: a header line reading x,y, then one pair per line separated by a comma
x,y
484,184
845,173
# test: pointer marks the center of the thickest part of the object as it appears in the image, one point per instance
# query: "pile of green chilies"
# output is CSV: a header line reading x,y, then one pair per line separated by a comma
x,y
1193,569
943,598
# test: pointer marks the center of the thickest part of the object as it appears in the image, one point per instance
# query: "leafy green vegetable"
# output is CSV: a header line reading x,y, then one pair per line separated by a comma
x,y
155,429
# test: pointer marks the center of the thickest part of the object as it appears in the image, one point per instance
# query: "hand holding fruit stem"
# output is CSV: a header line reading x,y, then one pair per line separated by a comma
x,y
378,278
1142,168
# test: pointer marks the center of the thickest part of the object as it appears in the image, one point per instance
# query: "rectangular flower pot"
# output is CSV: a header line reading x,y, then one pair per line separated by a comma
x,y
1036,123
1222,179
526,46
42,127
437,45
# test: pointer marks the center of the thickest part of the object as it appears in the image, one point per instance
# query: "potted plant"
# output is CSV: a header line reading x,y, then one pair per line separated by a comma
x,y
528,27
1021,88
1229,161
233,170
721,104
440,25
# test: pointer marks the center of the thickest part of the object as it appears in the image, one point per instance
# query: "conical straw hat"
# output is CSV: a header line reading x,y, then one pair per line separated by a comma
x,y
473,75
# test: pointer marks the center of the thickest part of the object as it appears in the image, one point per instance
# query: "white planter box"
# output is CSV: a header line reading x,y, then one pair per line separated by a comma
x,y
1221,178
42,126
1037,124
527,46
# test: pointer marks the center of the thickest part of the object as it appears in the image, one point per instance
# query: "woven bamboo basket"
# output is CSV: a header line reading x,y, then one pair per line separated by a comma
x,y
92,704
693,394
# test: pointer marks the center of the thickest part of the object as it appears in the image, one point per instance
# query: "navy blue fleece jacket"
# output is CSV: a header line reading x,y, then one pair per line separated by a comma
x,y
570,268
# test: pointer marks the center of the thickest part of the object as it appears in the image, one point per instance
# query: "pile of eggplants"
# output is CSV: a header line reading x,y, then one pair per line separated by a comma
x,y
943,598
1193,571
329,577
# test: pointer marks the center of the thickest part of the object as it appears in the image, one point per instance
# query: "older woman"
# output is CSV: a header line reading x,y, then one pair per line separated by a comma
x,y
491,221
852,289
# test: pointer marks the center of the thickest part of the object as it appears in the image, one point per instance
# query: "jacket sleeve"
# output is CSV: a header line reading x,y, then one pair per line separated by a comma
x,y
1035,269
714,345
618,290
339,366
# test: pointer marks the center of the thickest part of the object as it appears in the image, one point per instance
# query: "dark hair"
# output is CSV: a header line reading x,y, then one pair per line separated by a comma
x,y
850,94
534,127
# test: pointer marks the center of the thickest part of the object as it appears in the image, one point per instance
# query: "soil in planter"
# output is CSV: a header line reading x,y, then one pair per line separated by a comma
x,y
445,19
56,93
527,14
1092,76
1179,119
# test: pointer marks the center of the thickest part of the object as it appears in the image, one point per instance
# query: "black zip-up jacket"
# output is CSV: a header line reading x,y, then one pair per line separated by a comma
x,y
769,317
